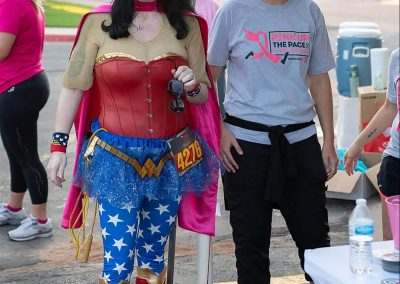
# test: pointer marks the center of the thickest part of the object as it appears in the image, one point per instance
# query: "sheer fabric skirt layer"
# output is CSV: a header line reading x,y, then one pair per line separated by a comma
x,y
106,176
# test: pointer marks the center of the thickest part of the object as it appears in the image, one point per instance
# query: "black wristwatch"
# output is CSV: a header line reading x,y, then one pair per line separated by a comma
x,y
195,91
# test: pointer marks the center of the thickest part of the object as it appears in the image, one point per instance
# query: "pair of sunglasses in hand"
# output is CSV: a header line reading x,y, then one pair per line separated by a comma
x,y
177,90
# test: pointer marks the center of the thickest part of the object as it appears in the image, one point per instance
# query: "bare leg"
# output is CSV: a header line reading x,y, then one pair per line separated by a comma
x,y
39,211
16,199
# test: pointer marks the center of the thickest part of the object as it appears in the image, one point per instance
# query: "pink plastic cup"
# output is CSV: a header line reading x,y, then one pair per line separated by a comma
x,y
393,206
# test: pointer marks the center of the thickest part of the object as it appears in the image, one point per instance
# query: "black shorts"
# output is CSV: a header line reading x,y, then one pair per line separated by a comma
x,y
389,176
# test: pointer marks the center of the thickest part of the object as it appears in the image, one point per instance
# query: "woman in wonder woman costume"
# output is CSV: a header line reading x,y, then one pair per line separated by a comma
x,y
147,124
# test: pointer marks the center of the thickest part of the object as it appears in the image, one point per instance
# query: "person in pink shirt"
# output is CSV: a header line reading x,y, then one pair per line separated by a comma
x,y
24,90
207,9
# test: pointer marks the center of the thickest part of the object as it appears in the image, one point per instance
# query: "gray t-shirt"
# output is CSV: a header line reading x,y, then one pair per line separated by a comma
x,y
393,95
270,50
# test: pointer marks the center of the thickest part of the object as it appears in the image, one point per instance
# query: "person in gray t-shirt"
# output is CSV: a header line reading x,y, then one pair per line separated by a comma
x,y
389,174
278,56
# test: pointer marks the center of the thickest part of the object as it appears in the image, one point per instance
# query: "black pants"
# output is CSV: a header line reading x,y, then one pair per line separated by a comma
x,y
19,113
250,215
389,176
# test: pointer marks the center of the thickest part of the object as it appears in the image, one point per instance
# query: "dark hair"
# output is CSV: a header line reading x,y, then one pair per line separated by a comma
x,y
123,11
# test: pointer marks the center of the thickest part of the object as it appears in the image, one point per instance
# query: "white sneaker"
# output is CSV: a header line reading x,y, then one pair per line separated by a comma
x,y
31,229
8,217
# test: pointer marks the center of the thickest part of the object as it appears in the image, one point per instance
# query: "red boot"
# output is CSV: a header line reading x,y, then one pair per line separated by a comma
x,y
141,281
146,276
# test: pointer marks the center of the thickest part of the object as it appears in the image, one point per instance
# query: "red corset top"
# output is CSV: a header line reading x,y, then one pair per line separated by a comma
x,y
134,100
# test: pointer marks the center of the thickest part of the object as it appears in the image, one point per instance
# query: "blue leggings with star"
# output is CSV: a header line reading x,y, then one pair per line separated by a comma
x,y
142,232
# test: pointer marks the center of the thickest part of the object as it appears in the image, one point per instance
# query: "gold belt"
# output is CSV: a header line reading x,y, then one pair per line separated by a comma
x,y
149,168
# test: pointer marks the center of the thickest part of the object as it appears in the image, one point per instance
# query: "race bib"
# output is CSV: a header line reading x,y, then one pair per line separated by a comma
x,y
186,150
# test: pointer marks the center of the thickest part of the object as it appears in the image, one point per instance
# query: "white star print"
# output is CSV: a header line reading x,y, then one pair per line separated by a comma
x,y
101,210
114,219
131,230
128,207
145,214
149,198
178,199
154,229
159,258
119,243
131,254
147,247
129,276
137,252
120,267
108,256
140,234
163,240
162,208
107,277
145,265
104,233
171,220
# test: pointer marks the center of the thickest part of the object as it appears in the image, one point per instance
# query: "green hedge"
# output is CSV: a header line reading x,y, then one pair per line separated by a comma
x,y
59,14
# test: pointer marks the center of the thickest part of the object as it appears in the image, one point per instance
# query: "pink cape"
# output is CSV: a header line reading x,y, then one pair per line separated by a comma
x,y
196,213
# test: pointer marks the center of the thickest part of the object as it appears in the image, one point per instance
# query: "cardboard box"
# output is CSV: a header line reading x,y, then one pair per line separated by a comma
x,y
359,185
371,101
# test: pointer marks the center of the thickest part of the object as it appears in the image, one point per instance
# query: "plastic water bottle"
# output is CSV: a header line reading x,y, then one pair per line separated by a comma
x,y
354,81
361,234
379,83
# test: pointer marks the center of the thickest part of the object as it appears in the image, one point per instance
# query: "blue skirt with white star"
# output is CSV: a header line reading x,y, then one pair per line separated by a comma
x,y
107,176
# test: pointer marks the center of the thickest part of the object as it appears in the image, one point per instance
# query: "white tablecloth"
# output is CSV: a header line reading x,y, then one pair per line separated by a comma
x,y
331,265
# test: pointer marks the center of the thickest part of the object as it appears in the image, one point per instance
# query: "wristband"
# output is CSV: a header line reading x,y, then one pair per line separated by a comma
x,y
57,148
195,91
59,142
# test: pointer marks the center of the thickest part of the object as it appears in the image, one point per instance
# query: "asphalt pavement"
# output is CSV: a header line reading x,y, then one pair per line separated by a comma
x,y
51,260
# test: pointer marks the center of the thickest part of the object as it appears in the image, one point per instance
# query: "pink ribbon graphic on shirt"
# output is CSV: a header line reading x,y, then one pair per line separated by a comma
x,y
258,37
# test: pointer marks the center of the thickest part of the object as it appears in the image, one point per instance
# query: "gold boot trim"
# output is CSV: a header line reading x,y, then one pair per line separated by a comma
x,y
151,277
